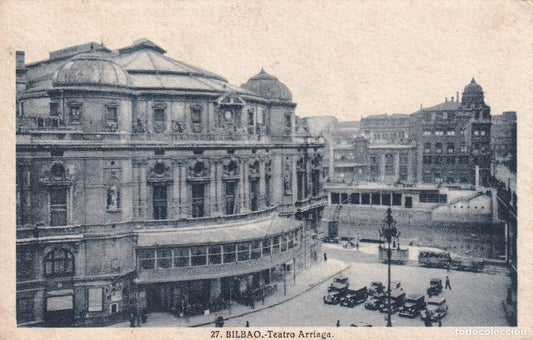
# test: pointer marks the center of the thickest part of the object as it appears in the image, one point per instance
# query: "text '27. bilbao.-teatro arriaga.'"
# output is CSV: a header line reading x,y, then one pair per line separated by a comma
x,y
147,183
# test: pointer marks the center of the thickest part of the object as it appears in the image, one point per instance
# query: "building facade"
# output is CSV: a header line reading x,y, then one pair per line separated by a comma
x,y
144,183
503,139
453,140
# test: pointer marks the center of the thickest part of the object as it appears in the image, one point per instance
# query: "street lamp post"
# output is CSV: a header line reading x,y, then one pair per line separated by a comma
x,y
389,231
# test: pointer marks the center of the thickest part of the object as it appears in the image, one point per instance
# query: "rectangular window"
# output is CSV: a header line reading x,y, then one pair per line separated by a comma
x,y
450,132
214,255
376,198
231,189
164,258
451,148
243,251
482,132
198,191
181,257
275,244
450,160
439,133
385,199
476,132
267,245
229,253
146,258
58,206
111,114
354,198
198,255
256,250
159,120
335,198
427,132
160,201
365,198
283,243
54,109
438,147
396,199
74,113
344,198
389,165
427,147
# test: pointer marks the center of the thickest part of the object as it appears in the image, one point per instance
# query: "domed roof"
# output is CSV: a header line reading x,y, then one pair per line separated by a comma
x,y
473,87
90,69
268,86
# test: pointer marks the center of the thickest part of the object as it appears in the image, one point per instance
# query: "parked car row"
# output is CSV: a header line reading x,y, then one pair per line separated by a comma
x,y
375,298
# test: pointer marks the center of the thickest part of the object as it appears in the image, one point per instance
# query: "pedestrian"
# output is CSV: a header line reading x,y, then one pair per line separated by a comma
x,y
325,257
247,323
219,321
338,323
357,245
448,286
132,319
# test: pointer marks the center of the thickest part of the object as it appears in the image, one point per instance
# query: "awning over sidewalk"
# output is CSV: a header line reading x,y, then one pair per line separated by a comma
x,y
226,233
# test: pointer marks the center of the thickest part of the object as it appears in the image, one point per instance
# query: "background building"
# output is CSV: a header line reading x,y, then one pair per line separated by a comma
x,y
503,139
145,182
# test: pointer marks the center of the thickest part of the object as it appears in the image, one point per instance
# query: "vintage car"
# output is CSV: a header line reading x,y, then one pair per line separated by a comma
x,y
434,258
435,287
436,308
466,264
374,301
376,288
413,305
340,283
354,297
333,297
397,297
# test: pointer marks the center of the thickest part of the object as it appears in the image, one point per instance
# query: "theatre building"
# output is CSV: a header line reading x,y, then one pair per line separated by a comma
x,y
147,183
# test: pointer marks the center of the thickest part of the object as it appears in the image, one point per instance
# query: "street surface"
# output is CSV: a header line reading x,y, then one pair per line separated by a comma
x,y
475,300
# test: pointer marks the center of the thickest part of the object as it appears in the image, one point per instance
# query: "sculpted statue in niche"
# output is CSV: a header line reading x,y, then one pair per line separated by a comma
x,y
113,198
198,169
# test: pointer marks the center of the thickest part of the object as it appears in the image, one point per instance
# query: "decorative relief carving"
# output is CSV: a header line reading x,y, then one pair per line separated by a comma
x,y
230,168
198,169
57,174
159,173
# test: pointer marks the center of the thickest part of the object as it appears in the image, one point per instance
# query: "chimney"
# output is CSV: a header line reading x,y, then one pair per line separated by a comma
x,y
446,99
452,100
457,96
20,60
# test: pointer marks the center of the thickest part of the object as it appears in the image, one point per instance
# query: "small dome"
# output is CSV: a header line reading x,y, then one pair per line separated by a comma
x,y
90,69
268,86
473,87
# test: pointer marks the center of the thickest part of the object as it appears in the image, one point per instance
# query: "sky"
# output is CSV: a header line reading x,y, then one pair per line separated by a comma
x,y
346,59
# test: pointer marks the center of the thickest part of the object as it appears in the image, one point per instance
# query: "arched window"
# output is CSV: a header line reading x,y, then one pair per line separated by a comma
x,y
59,262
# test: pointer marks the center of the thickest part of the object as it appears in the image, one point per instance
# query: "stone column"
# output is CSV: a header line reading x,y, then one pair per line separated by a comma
x,y
382,167
397,165
294,178
410,165
242,183
213,203
216,288
176,179
220,189
262,186
144,192
277,179
183,202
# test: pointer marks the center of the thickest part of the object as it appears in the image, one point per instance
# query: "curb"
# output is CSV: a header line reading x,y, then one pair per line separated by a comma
x,y
277,303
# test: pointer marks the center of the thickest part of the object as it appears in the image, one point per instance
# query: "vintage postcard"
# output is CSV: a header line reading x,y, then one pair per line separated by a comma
x,y
273,170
